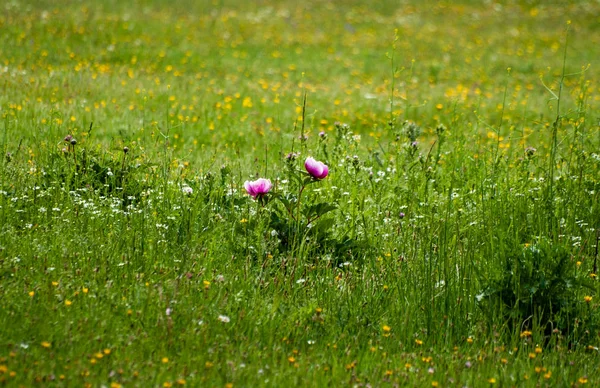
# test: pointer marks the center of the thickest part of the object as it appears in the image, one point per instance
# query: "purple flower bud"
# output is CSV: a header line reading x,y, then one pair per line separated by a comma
x,y
402,215
258,188
316,169
291,156
322,134
468,364
68,138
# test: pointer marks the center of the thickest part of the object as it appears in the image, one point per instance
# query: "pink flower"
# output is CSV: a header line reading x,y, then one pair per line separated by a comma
x,y
316,169
258,188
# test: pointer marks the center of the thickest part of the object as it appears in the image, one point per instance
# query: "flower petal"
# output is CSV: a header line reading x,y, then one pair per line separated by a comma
x,y
263,186
249,186
325,171
315,168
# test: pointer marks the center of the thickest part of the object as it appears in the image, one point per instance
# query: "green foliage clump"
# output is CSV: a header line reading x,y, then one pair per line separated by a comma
x,y
540,287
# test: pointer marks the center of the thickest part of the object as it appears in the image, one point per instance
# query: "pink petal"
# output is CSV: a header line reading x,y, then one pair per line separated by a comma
x,y
249,186
312,167
258,187
262,186
315,168
325,171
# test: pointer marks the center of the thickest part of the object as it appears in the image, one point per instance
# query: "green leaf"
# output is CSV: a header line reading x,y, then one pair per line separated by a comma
x,y
323,226
319,209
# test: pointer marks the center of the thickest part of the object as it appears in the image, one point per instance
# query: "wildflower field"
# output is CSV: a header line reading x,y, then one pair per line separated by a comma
x,y
316,193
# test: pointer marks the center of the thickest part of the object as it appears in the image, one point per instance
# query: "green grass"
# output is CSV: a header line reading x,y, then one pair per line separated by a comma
x,y
454,241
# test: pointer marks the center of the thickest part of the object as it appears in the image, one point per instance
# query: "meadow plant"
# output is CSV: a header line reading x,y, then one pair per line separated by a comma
x,y
316,169
258,188
261,202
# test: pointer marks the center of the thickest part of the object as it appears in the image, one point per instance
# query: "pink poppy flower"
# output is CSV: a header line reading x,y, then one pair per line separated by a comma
x,y
316,169
258,188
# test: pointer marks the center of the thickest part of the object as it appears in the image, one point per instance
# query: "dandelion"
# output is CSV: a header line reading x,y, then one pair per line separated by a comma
x,y
587,299
316,169
46,344
258,188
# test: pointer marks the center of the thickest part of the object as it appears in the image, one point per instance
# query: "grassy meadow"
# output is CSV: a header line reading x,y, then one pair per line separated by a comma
x,y
453,242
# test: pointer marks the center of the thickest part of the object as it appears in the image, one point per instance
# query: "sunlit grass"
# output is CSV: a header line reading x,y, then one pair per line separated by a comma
x,y
453,241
